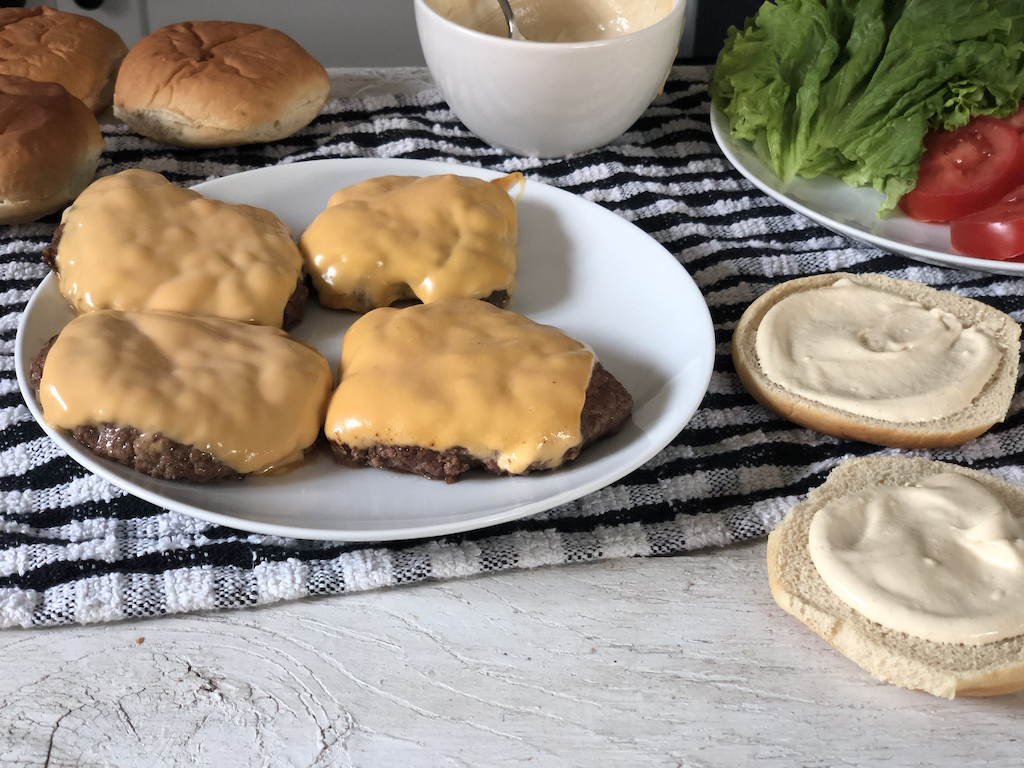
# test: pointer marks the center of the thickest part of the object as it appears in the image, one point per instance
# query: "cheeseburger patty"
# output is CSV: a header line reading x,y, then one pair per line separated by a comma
x,y
608,406
438,389
294,310
183,398
150,454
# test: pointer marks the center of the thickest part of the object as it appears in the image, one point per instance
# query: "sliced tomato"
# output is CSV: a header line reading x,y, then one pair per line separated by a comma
x,y
996,232
965,170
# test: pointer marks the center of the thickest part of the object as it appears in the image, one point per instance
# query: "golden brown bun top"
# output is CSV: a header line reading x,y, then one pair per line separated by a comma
x,y
76,51
45,133
223,73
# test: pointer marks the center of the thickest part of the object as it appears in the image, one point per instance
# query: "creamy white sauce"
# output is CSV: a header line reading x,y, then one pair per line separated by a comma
x,y
562,21
942,559
875,353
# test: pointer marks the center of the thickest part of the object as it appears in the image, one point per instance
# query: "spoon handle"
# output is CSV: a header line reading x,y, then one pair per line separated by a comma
x,y
510,20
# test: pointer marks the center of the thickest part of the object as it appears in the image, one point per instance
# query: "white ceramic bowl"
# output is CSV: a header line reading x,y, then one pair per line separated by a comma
x,y
547,99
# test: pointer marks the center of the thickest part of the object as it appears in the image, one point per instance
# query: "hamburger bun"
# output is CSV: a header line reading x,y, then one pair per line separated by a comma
x,y
989,407
53,46
50,146
944,669
218,84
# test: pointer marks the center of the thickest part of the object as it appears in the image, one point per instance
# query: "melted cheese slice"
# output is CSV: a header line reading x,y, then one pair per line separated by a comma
x,y
134,241
461,373
249,395
403,237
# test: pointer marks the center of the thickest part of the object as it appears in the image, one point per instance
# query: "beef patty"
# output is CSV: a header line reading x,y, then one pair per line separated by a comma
x,y
606,409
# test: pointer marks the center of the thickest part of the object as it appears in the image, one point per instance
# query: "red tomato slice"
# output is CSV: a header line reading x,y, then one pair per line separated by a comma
x,y
965,170
996,232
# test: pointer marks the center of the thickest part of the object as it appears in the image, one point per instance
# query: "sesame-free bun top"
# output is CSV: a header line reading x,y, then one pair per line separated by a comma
x,y
218,84
53,46
50,146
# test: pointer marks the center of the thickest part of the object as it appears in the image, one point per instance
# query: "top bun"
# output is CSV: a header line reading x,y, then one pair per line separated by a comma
x,y
989,407
218,84
53,46
50,147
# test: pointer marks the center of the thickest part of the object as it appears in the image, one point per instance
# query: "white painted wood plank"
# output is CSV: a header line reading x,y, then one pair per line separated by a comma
x,y
680,661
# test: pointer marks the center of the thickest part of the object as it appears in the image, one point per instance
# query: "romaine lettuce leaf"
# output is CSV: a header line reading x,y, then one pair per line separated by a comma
x,y
849,88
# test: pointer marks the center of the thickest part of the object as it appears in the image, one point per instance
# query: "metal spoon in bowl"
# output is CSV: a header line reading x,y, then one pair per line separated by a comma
x,y
510,19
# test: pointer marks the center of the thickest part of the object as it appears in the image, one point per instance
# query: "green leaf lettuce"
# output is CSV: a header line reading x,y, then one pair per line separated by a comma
x,y
849,88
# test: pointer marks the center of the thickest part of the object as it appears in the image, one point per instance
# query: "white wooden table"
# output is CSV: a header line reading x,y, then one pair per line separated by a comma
x,y
681,661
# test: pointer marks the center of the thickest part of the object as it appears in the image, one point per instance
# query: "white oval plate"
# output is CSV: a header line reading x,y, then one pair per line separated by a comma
x,y
581,268
852,211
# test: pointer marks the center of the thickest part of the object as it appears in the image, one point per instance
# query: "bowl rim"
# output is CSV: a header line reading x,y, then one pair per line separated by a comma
x,y
677,10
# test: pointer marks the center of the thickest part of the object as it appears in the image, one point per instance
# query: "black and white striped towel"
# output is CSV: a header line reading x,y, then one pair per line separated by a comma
x,y
75,549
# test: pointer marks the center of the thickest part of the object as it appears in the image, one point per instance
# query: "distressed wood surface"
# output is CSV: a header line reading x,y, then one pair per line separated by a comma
x,y
681,661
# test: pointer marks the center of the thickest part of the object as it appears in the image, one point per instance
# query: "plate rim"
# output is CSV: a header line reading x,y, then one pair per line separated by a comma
x,y
134,484
729,145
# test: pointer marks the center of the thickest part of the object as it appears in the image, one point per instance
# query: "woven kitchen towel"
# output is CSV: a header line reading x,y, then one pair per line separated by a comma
x,y
74,549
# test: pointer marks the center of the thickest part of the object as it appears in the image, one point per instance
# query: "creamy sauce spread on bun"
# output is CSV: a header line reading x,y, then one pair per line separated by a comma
x,y
393,238
249,395
875,353
135,241
461,373
941,559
